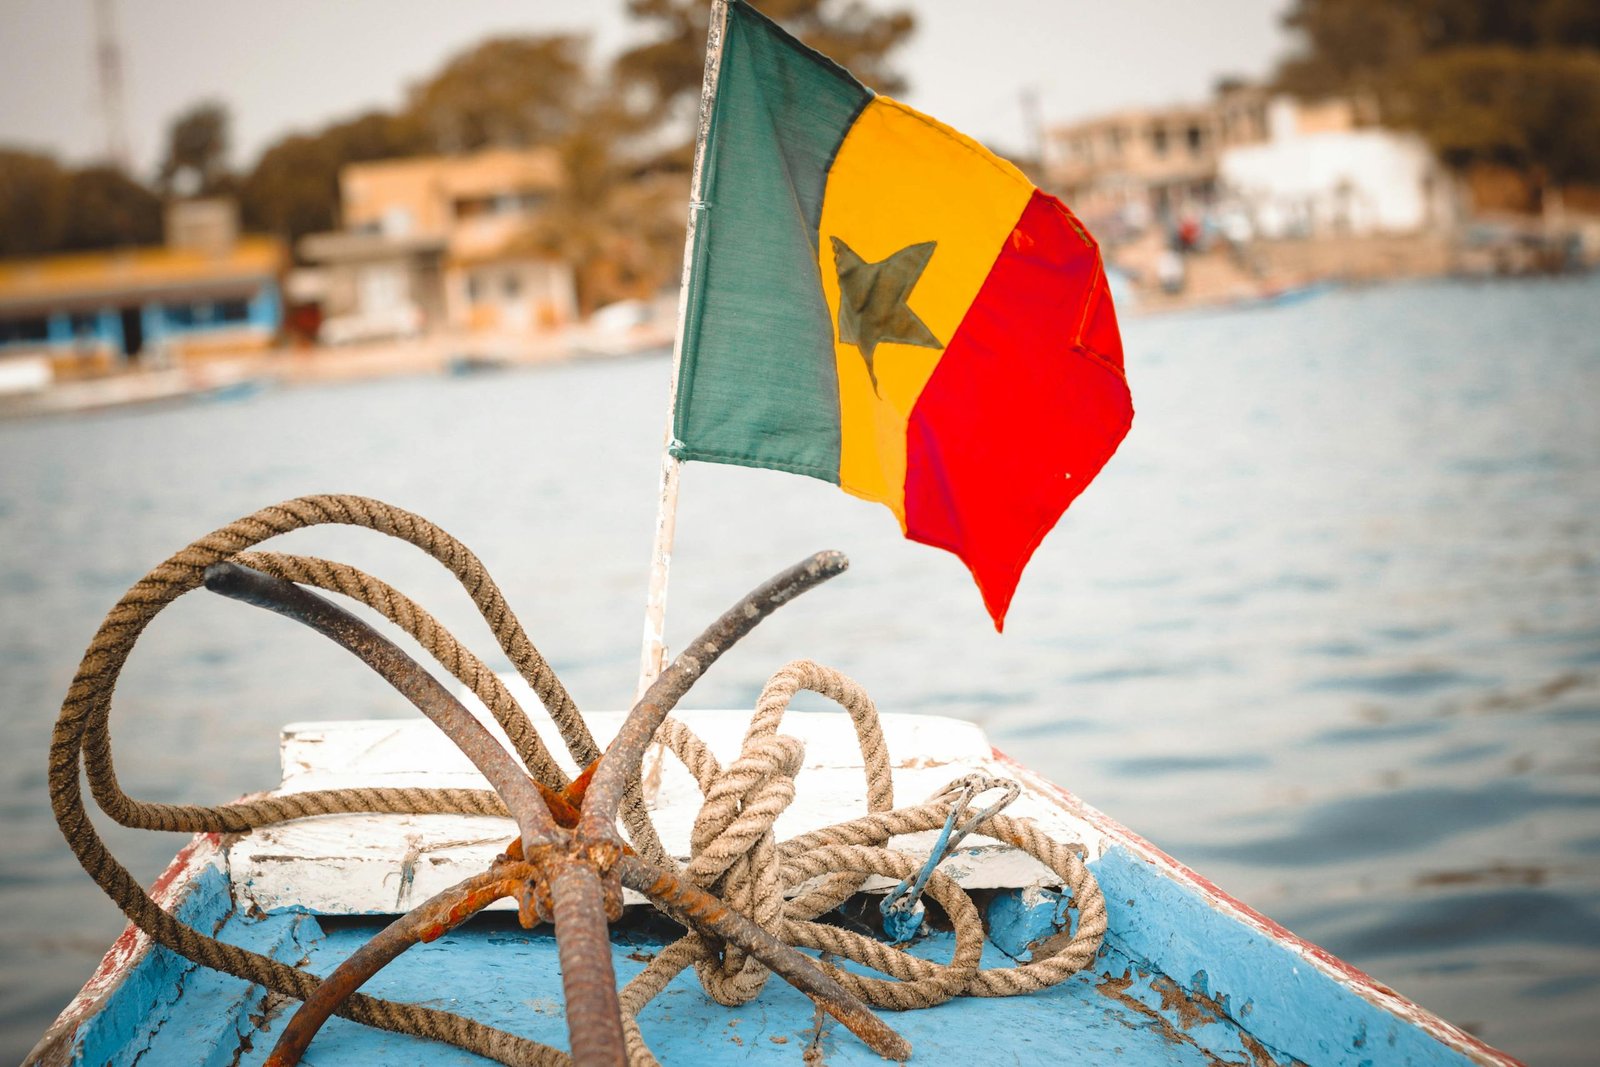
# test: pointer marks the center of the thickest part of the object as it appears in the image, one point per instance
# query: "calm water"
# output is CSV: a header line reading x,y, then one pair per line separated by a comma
x,y
1328,627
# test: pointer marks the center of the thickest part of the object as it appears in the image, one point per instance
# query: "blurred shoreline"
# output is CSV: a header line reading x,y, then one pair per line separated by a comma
x,y
225,377
1263,272
1217,277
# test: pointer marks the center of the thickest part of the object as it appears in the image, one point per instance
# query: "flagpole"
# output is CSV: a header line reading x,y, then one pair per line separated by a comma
x,y
655,612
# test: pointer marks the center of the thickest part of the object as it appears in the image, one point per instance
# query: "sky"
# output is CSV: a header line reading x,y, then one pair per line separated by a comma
x,y
288,65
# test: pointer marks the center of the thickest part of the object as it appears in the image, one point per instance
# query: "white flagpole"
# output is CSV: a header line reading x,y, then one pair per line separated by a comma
x,y
655,611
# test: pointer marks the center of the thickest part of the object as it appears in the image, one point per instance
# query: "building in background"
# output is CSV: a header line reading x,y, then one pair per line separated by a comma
x,y
207,291
1323,172
1124,172
440,244
370,285
1254,193
1270,165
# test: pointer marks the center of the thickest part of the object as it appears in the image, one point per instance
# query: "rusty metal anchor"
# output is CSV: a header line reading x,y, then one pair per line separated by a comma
x,y
569,865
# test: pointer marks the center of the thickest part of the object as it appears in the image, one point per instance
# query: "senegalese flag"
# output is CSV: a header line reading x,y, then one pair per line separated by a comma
x,y
879,301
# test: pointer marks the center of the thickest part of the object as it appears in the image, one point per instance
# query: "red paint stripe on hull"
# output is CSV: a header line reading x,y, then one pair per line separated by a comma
x,y
1026,405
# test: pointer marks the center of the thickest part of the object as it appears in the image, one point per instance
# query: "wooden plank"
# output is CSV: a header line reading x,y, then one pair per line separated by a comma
x,y
365,864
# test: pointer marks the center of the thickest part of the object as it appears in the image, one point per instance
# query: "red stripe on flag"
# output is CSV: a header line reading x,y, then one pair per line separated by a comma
x,y
1025,407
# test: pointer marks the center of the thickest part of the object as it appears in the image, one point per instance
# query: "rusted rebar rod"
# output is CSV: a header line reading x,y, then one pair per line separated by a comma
x,y
588,981
621,763
430,920
499,766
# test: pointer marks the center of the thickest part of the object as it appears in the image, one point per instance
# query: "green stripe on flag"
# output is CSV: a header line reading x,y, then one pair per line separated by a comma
x,y
757,384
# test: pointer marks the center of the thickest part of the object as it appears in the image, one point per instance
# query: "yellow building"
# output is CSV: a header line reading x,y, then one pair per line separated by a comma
x,y
441,242
206,291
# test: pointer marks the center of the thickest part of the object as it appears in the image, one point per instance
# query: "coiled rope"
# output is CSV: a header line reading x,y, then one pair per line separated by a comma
x,y
783,886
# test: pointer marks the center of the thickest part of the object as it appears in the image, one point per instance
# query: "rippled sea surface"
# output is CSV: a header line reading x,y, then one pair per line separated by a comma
x,y
1326,629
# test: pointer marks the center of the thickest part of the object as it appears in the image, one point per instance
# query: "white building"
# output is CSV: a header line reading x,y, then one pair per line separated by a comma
x,y
1319,173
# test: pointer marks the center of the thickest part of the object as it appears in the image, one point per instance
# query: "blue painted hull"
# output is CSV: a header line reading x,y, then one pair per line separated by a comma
x,y
1178,982
497,972
1186,975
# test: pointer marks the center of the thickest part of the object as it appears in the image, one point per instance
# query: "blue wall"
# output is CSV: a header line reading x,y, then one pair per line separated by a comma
x,y
262,312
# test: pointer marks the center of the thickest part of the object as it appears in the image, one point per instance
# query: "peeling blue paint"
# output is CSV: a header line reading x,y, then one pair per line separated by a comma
x,y
150,1018
1017,920
1172,986
1294,1007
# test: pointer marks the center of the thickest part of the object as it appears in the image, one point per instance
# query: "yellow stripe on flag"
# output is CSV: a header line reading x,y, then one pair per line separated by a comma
x,y
900,179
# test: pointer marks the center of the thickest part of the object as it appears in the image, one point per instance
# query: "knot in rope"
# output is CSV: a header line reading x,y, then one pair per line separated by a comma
x,y
788,887
736,856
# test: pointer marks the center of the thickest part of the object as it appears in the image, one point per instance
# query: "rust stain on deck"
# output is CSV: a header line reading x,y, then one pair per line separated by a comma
x,y
1192,1009
1181,1010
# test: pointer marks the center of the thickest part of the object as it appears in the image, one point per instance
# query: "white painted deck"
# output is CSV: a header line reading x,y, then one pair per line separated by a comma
x,y
359,864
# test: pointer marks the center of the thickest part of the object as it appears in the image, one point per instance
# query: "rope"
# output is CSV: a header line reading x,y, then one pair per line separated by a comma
x,y
784,887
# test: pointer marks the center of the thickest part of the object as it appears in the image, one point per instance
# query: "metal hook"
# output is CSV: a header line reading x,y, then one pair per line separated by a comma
x,y
901,908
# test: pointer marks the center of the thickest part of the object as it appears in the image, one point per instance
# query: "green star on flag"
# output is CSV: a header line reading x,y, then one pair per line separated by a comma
x,y
873,299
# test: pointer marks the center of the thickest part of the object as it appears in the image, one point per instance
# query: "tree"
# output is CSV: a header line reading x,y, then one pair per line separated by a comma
x,y
1349,45
197,151
294,188
46,208
33,203
662,77
1369,43
1536,111
507,91
107,209
1512,82
621,230
510,91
